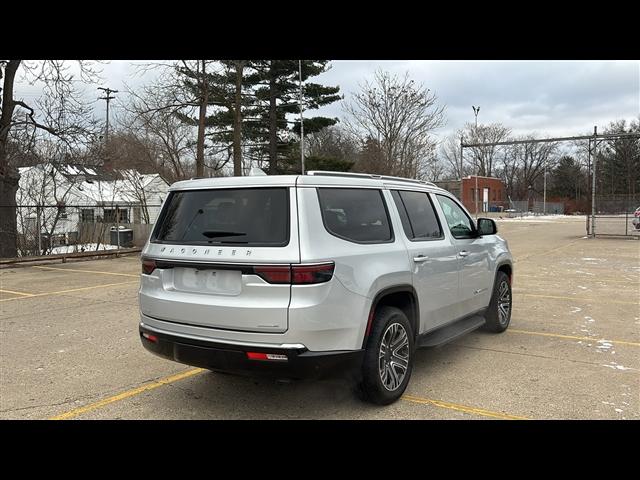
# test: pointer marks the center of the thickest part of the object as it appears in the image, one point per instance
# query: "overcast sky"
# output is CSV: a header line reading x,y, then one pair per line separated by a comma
x,y
530,97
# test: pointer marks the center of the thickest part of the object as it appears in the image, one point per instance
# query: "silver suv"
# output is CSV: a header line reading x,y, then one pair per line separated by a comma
x,y
307,275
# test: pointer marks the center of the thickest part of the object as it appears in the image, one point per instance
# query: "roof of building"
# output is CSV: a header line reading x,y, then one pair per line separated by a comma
x,y
100,184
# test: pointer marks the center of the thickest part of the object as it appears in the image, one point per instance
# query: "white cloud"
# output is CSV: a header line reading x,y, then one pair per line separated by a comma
x,y
546,97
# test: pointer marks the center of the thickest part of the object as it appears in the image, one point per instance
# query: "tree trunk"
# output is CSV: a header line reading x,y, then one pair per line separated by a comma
x,y
8,175
273,123
237,121
204,100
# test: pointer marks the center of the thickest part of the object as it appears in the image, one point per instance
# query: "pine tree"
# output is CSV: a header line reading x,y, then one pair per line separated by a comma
x,y
228,89
278,95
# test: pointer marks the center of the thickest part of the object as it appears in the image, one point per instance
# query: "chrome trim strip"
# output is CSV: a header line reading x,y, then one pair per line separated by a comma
x,y
228,342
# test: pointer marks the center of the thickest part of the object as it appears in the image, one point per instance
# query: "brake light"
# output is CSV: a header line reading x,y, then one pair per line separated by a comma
x,y
148,266
296,274
274,274
305,274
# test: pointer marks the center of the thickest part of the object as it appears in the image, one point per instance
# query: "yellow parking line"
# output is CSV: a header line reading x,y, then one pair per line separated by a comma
x,y
85,271
583,299
17,293
590,339
67,291
127,394
462,408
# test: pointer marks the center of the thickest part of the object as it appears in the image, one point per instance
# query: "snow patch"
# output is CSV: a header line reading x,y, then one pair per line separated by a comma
x,y
615,366
88,247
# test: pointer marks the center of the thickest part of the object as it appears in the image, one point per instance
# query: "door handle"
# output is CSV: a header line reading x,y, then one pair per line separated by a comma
x,y
420,258
463,253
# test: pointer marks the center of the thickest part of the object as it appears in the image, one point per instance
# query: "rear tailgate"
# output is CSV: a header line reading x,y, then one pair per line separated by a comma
x,y
206,248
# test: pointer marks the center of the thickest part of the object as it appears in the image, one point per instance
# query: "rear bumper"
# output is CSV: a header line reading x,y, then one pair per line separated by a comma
x,y
301,363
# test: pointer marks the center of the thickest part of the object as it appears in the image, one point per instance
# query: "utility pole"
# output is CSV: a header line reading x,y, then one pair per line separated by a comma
x,y
301,118
108,98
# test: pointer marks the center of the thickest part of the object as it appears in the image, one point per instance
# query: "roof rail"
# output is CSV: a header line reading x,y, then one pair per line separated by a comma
x,y
369,175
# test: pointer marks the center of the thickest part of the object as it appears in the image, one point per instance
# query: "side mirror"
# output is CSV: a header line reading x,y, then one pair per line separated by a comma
x,y
487,226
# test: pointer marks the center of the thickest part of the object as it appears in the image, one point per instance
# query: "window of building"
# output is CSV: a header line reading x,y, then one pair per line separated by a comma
x,y
110,215
87,215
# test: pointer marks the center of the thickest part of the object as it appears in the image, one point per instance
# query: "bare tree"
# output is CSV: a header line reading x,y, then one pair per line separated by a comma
x,y
396,117
332,142
165,143
483,158
15,113
450,154
182,89
523,165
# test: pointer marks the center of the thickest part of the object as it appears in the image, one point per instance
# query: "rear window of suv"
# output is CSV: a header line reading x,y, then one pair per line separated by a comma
x,y
231,216
355,214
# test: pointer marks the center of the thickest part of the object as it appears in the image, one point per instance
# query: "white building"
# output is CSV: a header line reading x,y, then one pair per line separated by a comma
x,y
74,201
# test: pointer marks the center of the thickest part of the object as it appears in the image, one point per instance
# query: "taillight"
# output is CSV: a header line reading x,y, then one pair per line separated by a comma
x,y
148,266
296,274
305,274
274,274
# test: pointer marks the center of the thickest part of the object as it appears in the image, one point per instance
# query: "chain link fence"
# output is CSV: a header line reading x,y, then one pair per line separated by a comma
x,y
48,230
616,215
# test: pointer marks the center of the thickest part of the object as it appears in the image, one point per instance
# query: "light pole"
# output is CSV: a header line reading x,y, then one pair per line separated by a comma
x,y
476,110
301,118
544,194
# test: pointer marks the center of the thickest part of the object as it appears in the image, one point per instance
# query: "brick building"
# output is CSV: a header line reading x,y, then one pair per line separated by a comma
x,y
491,194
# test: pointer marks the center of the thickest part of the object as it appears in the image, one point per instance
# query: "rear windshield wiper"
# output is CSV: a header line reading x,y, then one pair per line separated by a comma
x,y
222,233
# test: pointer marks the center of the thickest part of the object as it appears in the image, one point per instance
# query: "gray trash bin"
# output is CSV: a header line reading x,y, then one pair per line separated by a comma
x,y
126,237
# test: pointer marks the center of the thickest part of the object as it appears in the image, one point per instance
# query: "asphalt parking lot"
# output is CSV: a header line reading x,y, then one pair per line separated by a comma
x,y
69,347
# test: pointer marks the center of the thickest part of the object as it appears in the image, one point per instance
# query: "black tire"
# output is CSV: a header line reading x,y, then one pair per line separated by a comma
x,y
388,323
497,322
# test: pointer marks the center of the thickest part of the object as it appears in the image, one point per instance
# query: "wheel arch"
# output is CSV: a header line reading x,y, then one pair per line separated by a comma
x,y
506,267
403,297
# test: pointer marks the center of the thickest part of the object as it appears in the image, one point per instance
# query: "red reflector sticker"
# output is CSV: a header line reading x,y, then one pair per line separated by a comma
x,y
151,338
256,356
266,356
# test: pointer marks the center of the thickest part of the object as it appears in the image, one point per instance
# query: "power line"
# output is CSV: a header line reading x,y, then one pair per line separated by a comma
x,y
556,139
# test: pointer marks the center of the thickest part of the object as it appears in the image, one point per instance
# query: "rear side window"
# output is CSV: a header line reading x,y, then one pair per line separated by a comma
x,y
355,214
232,216
419,219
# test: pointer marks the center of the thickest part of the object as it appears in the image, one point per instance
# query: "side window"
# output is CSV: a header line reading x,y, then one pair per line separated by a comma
x,y
459,223
355,214
406,225
418,216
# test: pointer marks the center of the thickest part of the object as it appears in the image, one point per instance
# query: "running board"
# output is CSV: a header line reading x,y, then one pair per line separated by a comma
x,y
451,332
